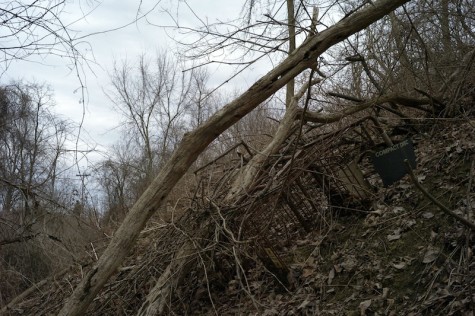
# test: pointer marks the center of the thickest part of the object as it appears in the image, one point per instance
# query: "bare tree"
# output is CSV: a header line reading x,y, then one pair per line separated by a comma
x,y
429,46
31,146
154,98
120,178
33,152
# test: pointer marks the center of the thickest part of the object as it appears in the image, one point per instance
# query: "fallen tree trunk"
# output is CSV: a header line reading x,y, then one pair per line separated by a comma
x,y
196,142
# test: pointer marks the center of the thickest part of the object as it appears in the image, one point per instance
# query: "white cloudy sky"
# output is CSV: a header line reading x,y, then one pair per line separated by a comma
x,y
127,42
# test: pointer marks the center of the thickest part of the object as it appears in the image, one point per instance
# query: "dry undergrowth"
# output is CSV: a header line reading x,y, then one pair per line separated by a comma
x,y
401,256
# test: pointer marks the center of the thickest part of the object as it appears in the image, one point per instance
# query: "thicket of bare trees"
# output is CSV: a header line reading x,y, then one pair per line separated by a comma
x,y
36,179
158,102
396,62
36,188
195,142
388,60
31,147
428,50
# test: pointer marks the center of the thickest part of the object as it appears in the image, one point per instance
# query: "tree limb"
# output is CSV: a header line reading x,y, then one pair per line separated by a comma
x,y
317,117
444,208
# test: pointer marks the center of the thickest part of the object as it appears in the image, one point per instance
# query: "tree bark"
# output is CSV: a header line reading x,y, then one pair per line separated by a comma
x,y
195,142
292,46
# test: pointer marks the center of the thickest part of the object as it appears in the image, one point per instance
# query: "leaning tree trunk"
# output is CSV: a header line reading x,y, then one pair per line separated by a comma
x,y
195,142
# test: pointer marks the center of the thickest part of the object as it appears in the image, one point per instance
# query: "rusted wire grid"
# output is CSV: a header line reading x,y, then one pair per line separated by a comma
x,y
276,217
335,160
283,214
324,173
273,224
280,214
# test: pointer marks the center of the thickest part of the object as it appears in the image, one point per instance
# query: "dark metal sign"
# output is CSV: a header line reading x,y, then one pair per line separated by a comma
x,y
389,162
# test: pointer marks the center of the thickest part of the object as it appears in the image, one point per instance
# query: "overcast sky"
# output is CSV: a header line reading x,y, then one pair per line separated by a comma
x,y
127,42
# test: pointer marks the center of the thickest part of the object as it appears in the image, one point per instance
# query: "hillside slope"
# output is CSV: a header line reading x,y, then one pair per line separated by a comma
x,y
402,257
398,255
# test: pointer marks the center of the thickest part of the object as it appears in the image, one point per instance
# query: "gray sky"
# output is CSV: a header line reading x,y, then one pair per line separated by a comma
x,y
128,42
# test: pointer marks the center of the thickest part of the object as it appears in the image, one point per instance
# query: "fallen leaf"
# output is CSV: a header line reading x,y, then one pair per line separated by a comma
x,y
302,242
428,215
331,275
270,312
350,298
349,263
399,266
409,223
337,268
431,254
398,209
393,237
307,272
364,306
304,303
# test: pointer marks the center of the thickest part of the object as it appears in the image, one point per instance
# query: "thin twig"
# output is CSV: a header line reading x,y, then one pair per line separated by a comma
x,y
444,208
